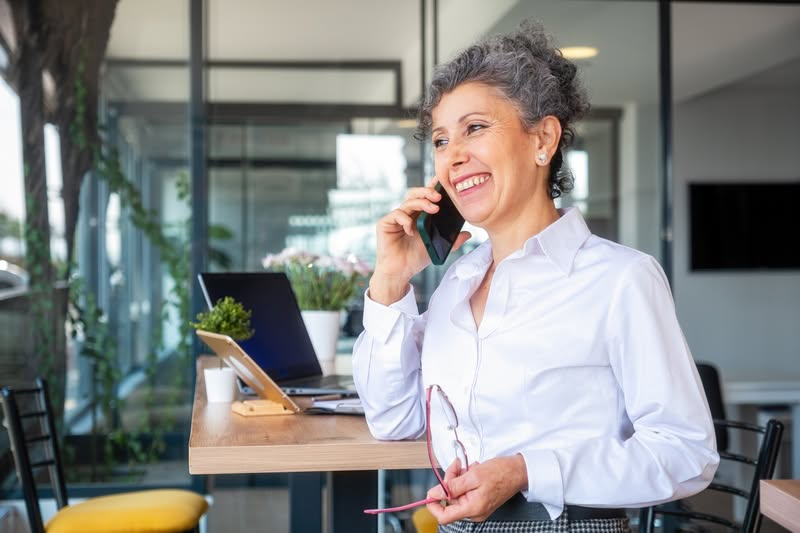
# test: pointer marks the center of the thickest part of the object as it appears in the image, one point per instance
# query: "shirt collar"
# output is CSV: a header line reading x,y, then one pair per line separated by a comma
x,y
562,239
559,242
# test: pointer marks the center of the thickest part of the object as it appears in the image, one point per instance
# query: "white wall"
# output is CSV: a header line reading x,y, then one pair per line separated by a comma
x,y
748,323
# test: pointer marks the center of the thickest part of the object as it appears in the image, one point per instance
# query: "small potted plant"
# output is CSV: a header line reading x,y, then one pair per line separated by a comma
x,y
324,286
226,317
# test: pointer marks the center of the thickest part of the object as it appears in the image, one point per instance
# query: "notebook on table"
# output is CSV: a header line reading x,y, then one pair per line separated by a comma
x,y
280,345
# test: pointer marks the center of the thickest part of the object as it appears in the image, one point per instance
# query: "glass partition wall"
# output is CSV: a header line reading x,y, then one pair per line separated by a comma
x,y
312,186
130,368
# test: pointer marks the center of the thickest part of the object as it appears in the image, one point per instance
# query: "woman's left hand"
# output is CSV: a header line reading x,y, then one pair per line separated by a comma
x,y
479,491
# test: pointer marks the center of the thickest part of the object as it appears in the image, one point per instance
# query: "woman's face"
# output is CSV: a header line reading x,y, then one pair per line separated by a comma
x,y
484,157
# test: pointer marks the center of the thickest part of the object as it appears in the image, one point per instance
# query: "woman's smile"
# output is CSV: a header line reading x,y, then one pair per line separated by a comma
x,y
470,183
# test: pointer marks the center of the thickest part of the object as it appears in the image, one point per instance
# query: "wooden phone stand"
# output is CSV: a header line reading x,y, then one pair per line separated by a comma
x,y
259,408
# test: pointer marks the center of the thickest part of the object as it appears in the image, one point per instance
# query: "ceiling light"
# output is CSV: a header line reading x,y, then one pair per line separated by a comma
x,y
579,52
406,123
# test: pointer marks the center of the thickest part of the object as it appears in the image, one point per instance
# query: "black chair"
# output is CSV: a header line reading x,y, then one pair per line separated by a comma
x,y
689,518
713,389
32,433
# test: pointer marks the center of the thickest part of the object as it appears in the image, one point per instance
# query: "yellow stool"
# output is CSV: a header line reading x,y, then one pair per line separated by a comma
x,y
423,521
146,511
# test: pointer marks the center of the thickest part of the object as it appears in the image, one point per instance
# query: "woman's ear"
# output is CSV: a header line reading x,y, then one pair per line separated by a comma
x,y
548,134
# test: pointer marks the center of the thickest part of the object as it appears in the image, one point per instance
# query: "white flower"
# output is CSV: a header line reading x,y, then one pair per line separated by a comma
x,y
326,261
320,281
271,261
344,266
361,268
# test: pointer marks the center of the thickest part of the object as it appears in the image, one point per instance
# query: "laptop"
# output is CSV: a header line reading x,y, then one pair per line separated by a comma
x,y
280,345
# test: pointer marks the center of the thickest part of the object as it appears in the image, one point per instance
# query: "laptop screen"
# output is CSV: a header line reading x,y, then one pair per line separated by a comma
x,y
280,345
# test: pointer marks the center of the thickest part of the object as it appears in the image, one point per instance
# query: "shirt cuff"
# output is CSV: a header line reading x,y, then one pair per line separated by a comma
x,y
544,481
379,320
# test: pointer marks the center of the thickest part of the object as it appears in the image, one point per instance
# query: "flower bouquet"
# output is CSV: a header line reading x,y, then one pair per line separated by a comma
x,y
320,282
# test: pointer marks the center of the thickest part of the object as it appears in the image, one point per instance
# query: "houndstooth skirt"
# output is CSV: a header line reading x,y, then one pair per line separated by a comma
x,y
560,525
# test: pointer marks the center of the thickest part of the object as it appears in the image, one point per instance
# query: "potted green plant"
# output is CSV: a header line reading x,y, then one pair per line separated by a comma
x,y
324,286
226,317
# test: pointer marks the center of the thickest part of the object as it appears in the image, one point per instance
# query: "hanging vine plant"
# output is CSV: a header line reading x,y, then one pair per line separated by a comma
x,y
87,321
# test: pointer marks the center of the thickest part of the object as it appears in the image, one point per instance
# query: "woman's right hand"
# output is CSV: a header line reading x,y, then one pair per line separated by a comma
x,y
400,252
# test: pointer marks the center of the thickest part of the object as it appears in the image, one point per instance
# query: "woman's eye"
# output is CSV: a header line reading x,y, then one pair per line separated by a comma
x,y
438,143
472,128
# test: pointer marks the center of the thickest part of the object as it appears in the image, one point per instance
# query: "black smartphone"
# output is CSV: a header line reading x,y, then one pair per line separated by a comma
x,y
440,230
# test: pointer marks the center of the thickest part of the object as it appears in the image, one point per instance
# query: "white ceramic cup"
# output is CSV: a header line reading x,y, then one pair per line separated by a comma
x,y
220,384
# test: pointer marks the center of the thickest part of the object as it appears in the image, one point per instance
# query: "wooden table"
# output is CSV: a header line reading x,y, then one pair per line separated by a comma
x,y
780,501
222,442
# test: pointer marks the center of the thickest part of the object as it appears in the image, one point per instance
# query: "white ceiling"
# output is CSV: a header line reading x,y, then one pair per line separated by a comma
x,y
719,45
714,45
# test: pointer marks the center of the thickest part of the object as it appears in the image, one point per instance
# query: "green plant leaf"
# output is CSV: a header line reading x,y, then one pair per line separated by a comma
x,y
227,317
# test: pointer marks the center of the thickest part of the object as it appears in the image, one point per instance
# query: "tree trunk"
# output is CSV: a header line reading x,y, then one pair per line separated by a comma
x,y
80,30
78,36
27,72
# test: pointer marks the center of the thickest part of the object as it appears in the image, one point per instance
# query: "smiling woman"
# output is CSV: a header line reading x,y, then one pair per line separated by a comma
x,y
543,314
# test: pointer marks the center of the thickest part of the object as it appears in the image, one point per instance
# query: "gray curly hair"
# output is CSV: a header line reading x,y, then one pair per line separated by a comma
x,y
531,73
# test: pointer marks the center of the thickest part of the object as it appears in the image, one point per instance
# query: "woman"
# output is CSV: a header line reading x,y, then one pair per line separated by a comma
x,y
559,351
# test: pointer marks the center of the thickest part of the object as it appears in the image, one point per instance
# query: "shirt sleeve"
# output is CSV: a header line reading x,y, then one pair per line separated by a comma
x,y
671,453
386,368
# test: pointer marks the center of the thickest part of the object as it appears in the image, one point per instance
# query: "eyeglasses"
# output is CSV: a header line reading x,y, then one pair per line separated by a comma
x,y
436,396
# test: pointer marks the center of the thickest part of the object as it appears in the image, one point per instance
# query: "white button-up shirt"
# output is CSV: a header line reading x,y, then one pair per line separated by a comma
x,y
579,365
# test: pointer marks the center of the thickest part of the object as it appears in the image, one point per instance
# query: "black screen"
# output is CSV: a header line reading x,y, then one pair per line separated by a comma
x,y
444,225
280,345
744,226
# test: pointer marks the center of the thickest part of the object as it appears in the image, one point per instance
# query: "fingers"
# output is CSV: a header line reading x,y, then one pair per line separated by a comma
x,y
450,512
452,475
398,217
413,206
454,470
436,492
406,214
476,493
462,484
423,192
420,199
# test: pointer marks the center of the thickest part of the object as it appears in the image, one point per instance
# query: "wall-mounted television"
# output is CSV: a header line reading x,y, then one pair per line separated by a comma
x,y
744,226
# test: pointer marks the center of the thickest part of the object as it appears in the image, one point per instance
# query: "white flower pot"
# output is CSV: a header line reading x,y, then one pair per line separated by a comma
x,y
323,329
220,384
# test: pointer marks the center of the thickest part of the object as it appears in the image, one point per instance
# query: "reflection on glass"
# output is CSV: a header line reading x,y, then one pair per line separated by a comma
x,y
370,181
314,187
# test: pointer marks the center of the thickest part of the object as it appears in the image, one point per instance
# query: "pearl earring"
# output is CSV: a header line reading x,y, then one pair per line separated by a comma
x,y
542,158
